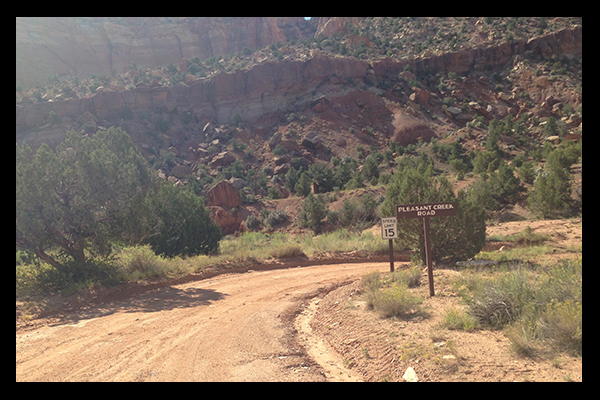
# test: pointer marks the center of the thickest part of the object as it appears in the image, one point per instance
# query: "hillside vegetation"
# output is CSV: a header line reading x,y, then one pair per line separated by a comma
x,y
485,111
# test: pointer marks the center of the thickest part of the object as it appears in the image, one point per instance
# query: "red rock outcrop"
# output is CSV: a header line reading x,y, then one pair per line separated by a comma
x,y
224,203
261,92
253,93
224,194
408,130
567,42
229,221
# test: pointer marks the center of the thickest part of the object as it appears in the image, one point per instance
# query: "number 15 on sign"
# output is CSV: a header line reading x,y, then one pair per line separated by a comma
x,y
389,231
389,228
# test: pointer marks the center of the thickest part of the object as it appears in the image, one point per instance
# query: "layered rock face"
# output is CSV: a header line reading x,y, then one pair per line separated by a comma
x,y
278,86
307,102
566,42
81,46
253,93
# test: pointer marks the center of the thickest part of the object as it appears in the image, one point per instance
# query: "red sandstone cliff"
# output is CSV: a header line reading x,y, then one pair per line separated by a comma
x,y
94,45
276,86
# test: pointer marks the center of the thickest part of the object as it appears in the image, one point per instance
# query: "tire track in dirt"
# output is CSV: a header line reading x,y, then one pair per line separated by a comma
x,y
320,351
226,328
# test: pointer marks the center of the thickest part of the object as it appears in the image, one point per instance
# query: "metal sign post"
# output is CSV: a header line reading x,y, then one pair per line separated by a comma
x,y
427,211
389,231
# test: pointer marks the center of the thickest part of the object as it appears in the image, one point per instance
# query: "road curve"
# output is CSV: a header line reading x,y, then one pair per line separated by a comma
x,y
236,327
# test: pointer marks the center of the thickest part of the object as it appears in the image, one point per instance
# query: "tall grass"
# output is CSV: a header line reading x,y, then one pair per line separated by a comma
x,y
395,301
344,241
135,264
391,298
535,310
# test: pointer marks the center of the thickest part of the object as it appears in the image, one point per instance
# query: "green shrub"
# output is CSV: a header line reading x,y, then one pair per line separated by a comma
x,y
551,197
182,223
395,301
389,300
323,175
73,203
252,223
552,194
279,150
505,185
287,251
562,325
67,277
533,310
358,215
32,279
274,193
302,187
276,218
371,281
503,300
460,321
528,238
522,338
139,263
459,237
410,277
313,213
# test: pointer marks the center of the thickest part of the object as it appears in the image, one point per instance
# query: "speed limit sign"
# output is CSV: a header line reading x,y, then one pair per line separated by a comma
x,y
389,228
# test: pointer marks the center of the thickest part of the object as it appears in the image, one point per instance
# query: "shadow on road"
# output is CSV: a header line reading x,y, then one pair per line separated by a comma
x,y
166,298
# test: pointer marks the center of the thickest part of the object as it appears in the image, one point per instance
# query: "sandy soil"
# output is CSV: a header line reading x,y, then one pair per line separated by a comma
x,y
237,327
375,350
293,324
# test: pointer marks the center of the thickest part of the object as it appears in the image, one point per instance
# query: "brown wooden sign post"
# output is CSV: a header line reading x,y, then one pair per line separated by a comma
x,y
427,211
389,231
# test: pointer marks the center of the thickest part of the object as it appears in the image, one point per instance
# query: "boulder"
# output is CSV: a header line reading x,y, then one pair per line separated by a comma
x,y
341,142
181,171
504,96
465,117
280,160
229,221
281,169
420,96
454,111
222,160
289,145
312,141
275,140
407,130
224,194
238,183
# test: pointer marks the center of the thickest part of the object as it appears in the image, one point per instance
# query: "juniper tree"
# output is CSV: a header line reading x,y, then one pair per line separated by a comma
x,y
92,191
459,237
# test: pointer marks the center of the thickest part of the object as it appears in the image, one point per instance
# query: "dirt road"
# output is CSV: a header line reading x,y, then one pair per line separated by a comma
x,y
238,327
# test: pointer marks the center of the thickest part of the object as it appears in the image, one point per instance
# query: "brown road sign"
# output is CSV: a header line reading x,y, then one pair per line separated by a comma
x,y
413,211
426,211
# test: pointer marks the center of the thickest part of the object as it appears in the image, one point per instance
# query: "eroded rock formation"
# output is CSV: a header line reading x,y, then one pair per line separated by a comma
x,y
82,46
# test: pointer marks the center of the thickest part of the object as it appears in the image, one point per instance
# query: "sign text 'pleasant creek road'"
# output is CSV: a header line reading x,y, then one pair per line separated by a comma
x,y
426,210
